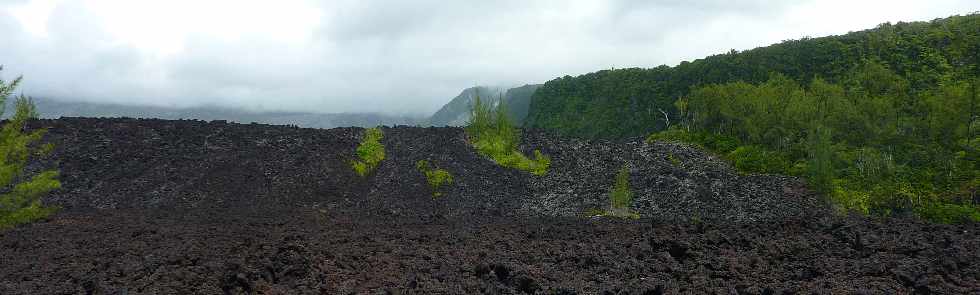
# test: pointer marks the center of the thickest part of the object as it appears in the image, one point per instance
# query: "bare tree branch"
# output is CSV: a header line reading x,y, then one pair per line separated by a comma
x,y
666,118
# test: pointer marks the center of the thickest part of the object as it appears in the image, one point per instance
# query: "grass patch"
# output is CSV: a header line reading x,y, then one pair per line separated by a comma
x,y
436,177
370,152
493,134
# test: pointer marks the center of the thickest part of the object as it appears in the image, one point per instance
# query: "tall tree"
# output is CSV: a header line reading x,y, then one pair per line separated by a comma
x,y
20,198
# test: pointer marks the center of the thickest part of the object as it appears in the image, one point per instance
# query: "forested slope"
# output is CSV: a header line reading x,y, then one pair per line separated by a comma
x,y
628,102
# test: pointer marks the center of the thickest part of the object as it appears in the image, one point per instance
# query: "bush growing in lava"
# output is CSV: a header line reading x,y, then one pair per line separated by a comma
x,y
20,198
436,177
493,134
370,152
620,196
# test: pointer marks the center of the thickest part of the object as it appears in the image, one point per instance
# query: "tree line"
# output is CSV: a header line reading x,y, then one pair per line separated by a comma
x,y
631,102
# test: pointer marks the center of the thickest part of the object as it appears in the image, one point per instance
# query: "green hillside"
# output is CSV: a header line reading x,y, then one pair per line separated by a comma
x,y
628,102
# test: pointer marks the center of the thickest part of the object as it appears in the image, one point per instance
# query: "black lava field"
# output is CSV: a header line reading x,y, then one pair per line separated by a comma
x,y
193,207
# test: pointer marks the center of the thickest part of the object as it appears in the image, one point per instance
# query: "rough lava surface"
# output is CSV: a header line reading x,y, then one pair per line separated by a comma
x,y
192,207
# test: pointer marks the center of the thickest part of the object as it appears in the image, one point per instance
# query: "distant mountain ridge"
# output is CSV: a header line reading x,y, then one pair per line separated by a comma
x,y
457,111
53,108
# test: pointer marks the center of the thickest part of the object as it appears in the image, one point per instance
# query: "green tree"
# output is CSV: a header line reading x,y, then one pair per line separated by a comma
x,y
20,200
821,159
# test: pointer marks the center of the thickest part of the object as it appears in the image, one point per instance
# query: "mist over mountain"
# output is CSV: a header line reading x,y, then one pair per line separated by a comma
x,y
54,108
518,101
456,111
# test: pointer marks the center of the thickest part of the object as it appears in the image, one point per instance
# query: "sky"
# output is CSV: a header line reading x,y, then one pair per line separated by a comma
x,y
396,57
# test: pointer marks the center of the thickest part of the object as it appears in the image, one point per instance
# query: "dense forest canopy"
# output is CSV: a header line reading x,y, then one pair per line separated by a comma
x,y
628,102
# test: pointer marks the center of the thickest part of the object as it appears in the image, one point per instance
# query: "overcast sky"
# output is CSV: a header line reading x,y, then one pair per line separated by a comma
x,y
385,56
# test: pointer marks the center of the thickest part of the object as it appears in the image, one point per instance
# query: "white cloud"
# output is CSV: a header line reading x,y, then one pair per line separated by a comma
x,y
390,56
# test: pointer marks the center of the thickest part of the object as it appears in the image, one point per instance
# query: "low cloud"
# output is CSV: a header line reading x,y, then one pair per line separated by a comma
x,y
383,56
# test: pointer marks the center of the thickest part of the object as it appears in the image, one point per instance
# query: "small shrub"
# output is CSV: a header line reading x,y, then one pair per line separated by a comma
x,y
493,134
370,152
436,177
20,195
621,197
360,168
